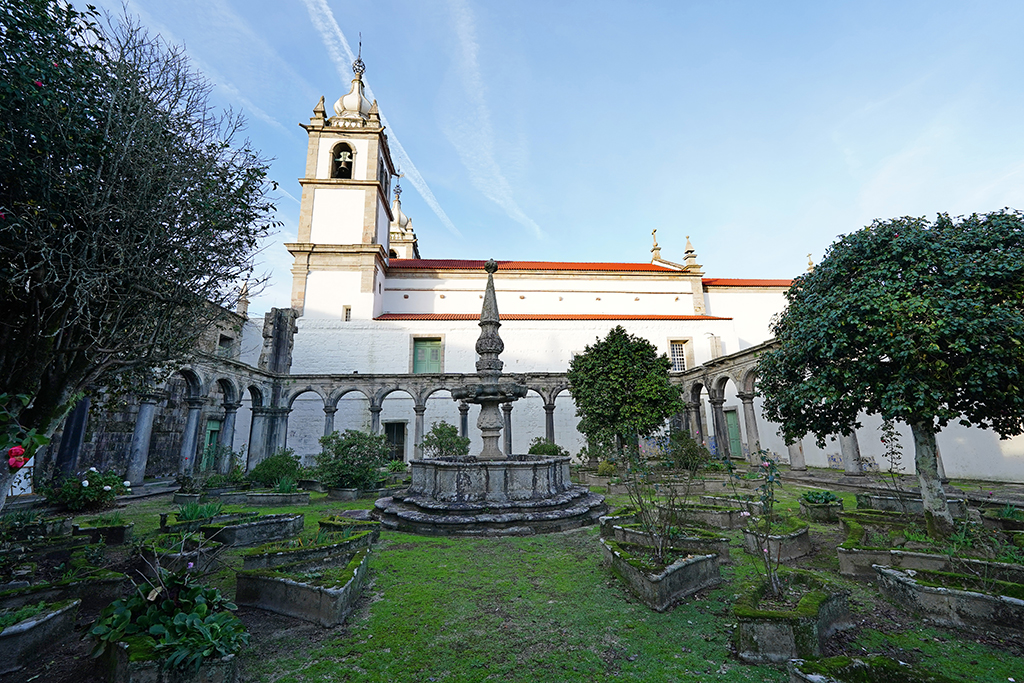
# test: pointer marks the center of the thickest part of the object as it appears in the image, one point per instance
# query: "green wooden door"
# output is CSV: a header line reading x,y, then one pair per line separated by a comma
x,y
426,355
732,421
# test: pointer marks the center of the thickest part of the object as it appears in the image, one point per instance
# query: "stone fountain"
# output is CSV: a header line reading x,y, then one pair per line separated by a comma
x,y
491,493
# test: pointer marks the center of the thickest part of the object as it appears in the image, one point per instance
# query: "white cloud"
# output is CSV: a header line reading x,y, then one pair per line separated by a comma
x,y
470,130
342,56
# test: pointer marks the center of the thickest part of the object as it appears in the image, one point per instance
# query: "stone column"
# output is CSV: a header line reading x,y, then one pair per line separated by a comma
x,y
329,420
140,439
720,429
549,421
507,409
463,418
417,441
750,425
190,437
696,429
851,454
73,437
375,418
257,437
796,456
227,437
278,437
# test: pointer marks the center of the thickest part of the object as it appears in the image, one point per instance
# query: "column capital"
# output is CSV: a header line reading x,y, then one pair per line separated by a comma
x,y
330,410
507,407
231,407
418,409
376,409
549,407
717,401
195,402
745,396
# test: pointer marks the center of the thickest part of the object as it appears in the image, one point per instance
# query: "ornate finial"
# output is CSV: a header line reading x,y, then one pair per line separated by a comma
x,y
654,234
358,68
398,190
319,109
810,264
655,250
491,266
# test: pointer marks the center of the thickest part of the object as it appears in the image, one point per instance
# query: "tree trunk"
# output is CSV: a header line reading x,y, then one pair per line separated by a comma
x,y
936,511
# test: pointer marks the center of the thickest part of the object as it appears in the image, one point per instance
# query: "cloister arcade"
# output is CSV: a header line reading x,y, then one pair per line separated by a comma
x,y
267,411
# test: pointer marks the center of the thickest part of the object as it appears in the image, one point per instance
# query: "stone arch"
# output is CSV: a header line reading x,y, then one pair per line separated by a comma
x,y
305,421
290,400
194,385
748,383
337,394
230,391
343,160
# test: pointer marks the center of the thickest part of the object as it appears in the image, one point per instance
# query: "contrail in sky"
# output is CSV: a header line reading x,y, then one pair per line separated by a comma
x,y
342,56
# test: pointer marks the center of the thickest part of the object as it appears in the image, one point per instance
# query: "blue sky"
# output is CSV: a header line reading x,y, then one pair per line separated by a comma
x,y
565,130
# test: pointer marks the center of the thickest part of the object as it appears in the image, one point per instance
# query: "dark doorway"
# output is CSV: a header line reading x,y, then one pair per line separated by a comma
x,y
395,433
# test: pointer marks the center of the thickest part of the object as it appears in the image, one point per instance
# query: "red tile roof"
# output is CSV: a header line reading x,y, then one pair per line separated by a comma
x,y
541,316
464,264
739,282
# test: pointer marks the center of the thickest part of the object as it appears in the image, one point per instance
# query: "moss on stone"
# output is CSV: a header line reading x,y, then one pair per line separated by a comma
x,y
871,669
746,606
965,582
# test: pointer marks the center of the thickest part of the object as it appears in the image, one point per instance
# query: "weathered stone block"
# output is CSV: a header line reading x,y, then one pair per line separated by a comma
x,y
26,640
661,590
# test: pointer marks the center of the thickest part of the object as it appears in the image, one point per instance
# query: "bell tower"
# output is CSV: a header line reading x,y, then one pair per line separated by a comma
x,y
345,214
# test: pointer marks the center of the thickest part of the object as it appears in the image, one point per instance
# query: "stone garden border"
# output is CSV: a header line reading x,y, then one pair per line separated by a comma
x,y
906,504
701,542
924,592
96,591
821,512
867,667
781,547
273,589
263,529
22,642
660,591
774,637
110,534
271,499
121,669
262,558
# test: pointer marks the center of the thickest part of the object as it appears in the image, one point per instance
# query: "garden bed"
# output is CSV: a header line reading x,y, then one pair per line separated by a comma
x,y
110,534
195,524
34,635
709,515
907,504
96,589
271,499
821,512
175,553
263,529
997,519
51,527
782,547
955,600
754,507
694,540
122,668
335,543
322,591
355,494
660,587
774,636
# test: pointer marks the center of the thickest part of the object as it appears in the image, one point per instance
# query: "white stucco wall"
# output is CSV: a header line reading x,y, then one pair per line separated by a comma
x,y
330,204
751,309
323,158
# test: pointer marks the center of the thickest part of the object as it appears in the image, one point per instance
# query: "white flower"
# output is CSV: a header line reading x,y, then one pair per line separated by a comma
x,y
85,483
93,469
106,488
126,483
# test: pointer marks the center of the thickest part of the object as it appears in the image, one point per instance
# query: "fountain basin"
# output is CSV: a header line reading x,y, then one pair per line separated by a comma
x,y
491,481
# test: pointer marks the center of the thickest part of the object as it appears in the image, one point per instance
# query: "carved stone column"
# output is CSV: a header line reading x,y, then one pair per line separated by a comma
x,y
851,454
258,433
190,437
720,428
417,442
375,418
750,424
796,456
463,418
696,428
140,439
329,420
227,437
507,409
549,421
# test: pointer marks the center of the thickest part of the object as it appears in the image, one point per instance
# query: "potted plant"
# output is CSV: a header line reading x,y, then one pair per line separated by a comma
x,y
821,506
350,461
170,622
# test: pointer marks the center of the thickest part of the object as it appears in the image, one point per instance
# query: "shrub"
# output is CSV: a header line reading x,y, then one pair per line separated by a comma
x,y
191,511
682,451
90,490
541,446
605,468
285,485
396,466
283,463
351,459
173,618
443,441
820,497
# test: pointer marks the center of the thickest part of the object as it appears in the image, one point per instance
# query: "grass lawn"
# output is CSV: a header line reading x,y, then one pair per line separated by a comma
x,y
543,608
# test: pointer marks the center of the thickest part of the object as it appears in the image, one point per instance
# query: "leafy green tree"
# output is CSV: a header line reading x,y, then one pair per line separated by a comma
x,y
443,441
912,320
129,210
621,387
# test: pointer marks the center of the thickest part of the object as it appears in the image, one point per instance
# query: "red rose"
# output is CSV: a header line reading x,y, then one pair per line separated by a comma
x,y
16,463
15,452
